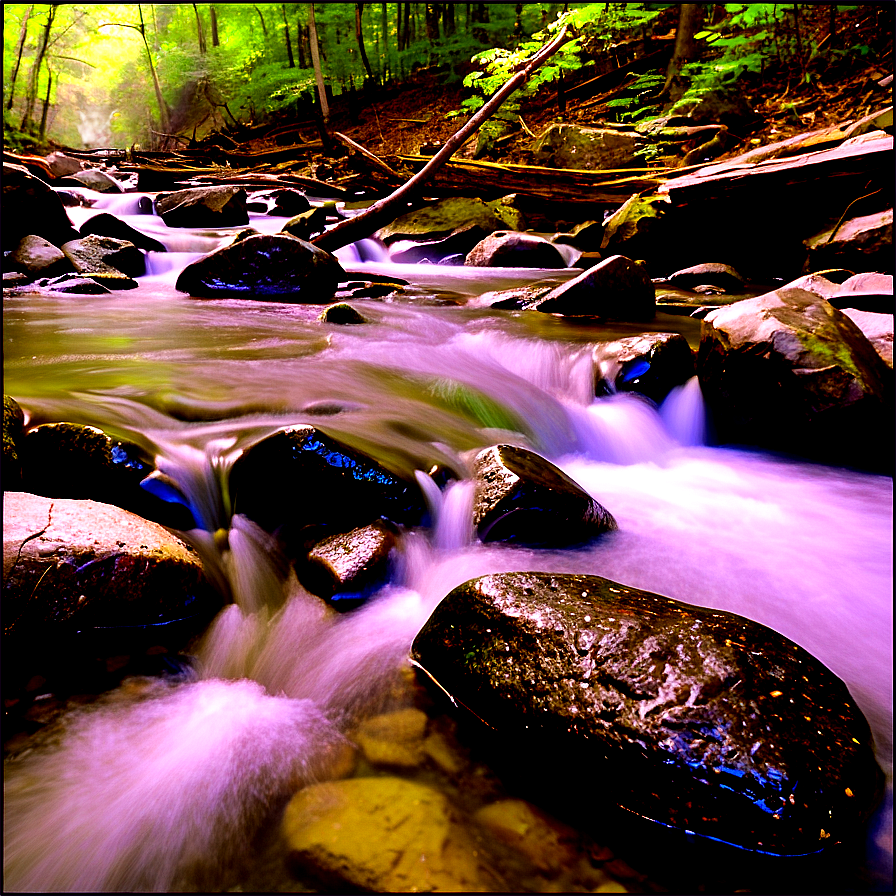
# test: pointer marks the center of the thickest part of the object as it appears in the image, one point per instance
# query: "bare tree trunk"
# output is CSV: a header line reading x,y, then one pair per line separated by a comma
x,y
448,26
214,17
690,17
31,97
384,31
300,43
289,56
21,47
200,34
359,33
315,61
385,210
432,22
43,118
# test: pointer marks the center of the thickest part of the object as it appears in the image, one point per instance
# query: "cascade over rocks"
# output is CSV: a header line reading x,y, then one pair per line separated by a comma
x,y
70,564
68,460
616,288
276,268
521,497
302,476
789,372
458,243
651,364
31,207
203,207
514,250
698,719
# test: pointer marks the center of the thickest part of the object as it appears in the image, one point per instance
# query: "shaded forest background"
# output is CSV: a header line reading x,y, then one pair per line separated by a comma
x,y
158,76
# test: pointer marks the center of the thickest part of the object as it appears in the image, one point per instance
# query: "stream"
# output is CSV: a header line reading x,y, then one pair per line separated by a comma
x,y
155,779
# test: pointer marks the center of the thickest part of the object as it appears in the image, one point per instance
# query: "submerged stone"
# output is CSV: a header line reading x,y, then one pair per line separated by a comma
x,y
698,719
341,313
276,268
521,497
300,475
651,364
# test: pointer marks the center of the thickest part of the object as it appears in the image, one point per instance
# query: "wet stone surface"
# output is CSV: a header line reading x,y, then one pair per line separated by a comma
x,y
698,719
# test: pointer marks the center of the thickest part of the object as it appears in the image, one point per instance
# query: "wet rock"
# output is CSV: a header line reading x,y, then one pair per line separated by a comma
x,y
638,227
789,372
547,844
62,165
587,236
39,257
698,719
112,261
31,207
458,243
570,146
722,276
516,298
13,279
275,268
306,224
68,460
302,476
521,497
617,288
284,201
71,564
393,739
203,207
651,364
445,216
482,409
75,284
865,292
864,243
383,835
105,224
510,249
13,433
348,562
341,313
877,329
94,179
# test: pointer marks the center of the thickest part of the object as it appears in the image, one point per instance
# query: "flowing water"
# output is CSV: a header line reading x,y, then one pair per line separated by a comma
x,y
153,786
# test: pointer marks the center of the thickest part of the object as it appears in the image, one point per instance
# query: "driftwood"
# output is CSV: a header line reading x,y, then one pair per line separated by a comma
x,y
386,210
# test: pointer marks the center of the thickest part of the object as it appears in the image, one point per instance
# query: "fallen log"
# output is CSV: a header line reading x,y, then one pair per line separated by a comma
x,y
386,210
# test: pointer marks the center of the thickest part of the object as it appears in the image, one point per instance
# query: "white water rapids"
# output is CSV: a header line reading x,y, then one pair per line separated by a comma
x,y
161,786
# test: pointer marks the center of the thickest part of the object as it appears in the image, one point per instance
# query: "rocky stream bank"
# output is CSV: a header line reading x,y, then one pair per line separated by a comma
x,y
711,725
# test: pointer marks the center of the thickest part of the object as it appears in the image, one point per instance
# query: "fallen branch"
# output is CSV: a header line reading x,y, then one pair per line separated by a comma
x,y
386,210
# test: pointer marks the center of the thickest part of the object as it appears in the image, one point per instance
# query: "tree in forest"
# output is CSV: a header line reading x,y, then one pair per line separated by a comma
x,y
315,60
21,46
687,49
359,33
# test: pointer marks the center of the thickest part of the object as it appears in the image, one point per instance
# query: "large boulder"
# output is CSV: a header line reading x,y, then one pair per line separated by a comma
x,y
511,249
283,201
640,228
276,268
877,329
383,835
302,476
111,261
105,224
651,364
438,219
70,565
93,179
203,207
721,276
571,146
69,460
38,257
789,372
864,243
616,287
521,497
699,719
31,207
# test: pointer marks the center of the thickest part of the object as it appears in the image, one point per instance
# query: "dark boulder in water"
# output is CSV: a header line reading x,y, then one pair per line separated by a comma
x,y
510,249
105,224
276,268
651,364
521,497
302,476
698,719
69,460
343,567
31,206
203,207
13,432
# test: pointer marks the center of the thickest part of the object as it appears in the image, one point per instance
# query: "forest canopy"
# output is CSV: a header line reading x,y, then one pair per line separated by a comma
x,y
116,75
